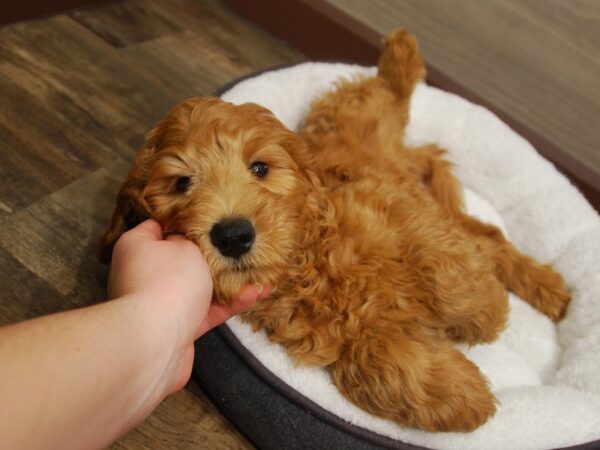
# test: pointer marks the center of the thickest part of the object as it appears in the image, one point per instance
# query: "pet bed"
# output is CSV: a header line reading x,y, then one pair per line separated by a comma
x,y
545,376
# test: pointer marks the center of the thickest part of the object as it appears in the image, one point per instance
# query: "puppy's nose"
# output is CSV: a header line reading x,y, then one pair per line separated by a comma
x,y
233,237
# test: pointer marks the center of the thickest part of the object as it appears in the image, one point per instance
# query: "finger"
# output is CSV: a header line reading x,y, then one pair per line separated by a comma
x,y
264,292
148,229
175,237
248,296
217,314
186,245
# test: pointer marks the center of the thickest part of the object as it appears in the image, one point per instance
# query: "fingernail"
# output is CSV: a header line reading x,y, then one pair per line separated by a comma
x,y
259,288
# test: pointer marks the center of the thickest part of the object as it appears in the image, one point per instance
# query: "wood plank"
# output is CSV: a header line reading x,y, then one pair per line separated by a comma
x,y
64,112
575,22
196,65
207,52
23,294
186,63
243,42
56,237
123,23
27,9
186,420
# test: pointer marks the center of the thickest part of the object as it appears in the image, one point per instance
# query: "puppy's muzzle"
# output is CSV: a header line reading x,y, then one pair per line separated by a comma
x,y
233,237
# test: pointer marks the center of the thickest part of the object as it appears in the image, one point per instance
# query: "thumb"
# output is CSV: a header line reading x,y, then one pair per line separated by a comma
x,y
148,229
217,314
176,238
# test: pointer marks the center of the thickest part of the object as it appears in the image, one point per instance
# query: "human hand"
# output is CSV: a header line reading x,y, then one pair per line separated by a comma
x,y
170,278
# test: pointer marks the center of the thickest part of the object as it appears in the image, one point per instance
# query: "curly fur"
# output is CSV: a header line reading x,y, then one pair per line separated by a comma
x,y
377,269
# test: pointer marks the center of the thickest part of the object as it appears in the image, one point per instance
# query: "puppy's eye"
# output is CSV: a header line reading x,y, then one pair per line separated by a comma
x,y
182,184
259,169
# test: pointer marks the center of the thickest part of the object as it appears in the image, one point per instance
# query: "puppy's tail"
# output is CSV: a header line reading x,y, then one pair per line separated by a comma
x,y
401,63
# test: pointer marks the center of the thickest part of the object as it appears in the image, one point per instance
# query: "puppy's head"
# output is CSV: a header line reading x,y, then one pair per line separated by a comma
x,y
231,179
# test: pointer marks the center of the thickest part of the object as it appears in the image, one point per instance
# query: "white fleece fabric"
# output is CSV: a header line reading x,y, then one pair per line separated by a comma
x,y
545,376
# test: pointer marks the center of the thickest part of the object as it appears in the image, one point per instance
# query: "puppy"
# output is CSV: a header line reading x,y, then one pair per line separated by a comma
x,y
377,269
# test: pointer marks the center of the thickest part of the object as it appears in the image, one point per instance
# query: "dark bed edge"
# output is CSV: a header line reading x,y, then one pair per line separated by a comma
x,y
304,402
256,368
323,32
270,414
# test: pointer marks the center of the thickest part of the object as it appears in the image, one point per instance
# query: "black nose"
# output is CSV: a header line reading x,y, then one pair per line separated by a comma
x,y
232,237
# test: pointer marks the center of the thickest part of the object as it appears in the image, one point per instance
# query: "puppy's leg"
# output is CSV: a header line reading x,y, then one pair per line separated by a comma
x,y
428,166
466,298
419,383
484,318
451,271
308,340
539,285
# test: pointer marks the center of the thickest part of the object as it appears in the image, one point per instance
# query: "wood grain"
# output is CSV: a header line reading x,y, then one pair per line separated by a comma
x,y
538,61
186,420
125,23
79,91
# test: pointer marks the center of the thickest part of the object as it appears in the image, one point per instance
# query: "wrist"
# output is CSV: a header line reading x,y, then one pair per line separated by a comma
x,y
152,338
163,330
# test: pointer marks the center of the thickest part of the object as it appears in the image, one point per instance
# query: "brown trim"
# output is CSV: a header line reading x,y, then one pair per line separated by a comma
x,y
13,11
323,32
311,26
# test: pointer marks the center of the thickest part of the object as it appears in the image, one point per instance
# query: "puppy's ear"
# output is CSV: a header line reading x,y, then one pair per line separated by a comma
x,y
131,207
288,139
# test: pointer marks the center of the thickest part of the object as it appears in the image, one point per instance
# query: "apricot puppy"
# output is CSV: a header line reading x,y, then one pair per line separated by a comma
x,y
378,270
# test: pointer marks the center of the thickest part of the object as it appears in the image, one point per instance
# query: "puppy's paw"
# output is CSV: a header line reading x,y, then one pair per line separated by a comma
x,y
460,398
551,295
431,387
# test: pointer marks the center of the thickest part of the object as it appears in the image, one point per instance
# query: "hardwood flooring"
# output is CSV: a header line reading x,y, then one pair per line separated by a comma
x,y
78,92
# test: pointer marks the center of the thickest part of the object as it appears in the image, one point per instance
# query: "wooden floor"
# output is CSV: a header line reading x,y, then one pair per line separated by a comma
x,y
535,60
78,92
